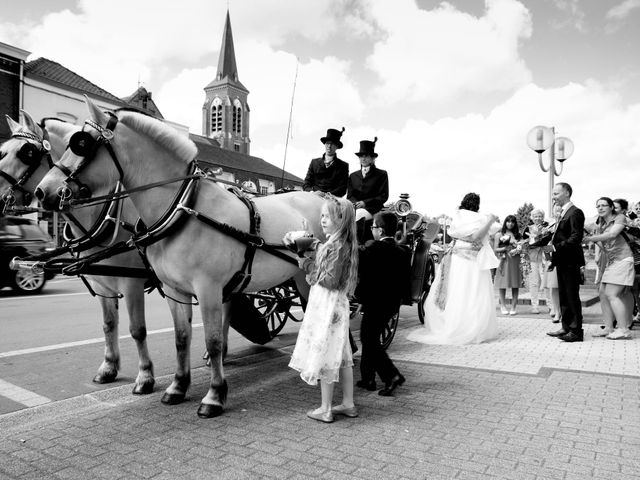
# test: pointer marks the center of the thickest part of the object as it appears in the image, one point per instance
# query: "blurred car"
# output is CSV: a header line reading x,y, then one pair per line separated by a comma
x,y
22,237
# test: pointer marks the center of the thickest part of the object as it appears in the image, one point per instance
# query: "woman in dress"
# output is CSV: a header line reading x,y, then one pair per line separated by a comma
x,y
615,271
461,307
508,275
322,352
552,275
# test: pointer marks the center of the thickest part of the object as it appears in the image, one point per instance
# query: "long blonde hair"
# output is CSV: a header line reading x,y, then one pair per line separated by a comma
x,y
342,214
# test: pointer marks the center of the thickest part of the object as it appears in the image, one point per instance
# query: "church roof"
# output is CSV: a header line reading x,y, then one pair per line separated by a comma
x,y
210,151
141,99
53,72
227,68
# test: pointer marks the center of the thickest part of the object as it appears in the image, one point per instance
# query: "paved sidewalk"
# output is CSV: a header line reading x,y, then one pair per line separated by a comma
x,y
524,406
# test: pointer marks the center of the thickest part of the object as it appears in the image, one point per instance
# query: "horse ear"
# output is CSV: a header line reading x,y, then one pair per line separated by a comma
x,y
13,125
27,121
96,114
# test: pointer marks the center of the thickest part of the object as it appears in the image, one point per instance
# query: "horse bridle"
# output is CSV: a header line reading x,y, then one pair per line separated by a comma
x,y
82,144
31,155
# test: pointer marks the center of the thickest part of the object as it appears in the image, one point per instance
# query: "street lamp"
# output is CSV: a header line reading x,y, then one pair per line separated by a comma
x,y
540,139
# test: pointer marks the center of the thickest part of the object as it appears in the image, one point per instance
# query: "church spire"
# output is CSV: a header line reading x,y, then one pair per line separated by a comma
x,y
225,113
227,62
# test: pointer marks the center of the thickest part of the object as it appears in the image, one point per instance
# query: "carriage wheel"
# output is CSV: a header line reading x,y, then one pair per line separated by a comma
x,y
386,337
390,328
279,304
430,274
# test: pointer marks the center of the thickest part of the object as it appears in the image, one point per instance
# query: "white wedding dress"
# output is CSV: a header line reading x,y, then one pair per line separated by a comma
x,y
461,306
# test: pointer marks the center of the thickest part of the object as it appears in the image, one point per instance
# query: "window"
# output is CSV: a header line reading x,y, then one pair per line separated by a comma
x,y
237,117
216,115
264,190
236,147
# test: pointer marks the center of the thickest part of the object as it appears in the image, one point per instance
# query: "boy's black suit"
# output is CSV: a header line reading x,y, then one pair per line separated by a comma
x,y
567,258
384,273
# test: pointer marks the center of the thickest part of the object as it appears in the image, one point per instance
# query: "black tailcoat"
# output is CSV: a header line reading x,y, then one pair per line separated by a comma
x,y
332,179
373,189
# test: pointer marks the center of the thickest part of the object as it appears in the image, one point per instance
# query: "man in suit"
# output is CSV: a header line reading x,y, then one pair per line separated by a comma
x,y
368,187
567,258
328,173
384,272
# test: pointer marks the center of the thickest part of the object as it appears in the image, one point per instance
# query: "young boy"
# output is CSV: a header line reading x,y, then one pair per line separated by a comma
x,y
384,272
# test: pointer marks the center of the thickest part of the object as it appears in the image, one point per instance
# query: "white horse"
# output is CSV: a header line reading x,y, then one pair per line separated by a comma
x,y
195,259
107,288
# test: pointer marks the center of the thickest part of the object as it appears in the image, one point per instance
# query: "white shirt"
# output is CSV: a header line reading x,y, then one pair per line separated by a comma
x,y
365,170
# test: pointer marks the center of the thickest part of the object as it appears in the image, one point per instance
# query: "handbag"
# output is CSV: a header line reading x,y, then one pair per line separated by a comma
x,y
634,245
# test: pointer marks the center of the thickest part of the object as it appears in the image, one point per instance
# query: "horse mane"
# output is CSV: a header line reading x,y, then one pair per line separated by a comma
x,y
164,135
59,127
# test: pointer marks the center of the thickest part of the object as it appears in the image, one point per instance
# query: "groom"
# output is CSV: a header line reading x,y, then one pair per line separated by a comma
x,y
567,258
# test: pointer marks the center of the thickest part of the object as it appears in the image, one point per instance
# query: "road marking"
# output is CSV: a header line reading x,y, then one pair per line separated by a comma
x,y
22,396
46,348
44,295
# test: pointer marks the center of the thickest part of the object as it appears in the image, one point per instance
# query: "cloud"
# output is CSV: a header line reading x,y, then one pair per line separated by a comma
x,y
576,19
617,15
622,10
437,55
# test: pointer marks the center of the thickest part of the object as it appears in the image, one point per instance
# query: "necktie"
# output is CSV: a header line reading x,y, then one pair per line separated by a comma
x,y
365,171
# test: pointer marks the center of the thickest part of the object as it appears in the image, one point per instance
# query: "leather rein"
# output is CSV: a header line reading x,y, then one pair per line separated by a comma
x,y
179,210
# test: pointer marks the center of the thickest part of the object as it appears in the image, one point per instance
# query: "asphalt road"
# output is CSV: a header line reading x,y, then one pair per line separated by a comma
x,y
52,344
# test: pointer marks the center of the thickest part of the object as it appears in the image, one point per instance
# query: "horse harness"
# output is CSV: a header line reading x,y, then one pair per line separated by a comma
x,y
84,145
31,155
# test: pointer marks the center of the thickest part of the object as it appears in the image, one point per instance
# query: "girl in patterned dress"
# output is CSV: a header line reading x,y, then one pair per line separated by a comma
x,y
322,350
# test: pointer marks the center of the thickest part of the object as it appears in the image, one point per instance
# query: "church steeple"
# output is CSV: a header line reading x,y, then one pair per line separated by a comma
x,y
227,62
225,113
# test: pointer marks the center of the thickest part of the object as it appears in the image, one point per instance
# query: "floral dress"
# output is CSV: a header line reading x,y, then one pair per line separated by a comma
x,y
322,347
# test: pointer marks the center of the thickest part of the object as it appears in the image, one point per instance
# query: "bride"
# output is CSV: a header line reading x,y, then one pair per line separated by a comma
x,y
461,306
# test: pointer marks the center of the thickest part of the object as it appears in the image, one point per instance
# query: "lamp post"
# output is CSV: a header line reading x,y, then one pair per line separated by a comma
x,y
540,139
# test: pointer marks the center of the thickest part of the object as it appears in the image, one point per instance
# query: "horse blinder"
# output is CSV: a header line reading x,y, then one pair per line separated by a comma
x,y
29,154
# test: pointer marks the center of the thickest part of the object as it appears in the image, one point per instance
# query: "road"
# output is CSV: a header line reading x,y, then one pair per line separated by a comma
x,y
52,344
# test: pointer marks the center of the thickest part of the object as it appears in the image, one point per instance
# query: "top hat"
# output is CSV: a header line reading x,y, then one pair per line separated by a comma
x,y
333,136
367,148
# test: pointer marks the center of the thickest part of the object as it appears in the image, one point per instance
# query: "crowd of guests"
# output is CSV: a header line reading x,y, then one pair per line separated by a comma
x,y
469,271
612,234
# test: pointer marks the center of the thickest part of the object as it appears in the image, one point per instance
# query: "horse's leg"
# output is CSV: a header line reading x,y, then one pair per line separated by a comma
x,y
108,370
226,322
212,404
134,298
182,315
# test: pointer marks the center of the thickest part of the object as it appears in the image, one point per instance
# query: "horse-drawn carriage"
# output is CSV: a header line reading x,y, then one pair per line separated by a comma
x,y
168,192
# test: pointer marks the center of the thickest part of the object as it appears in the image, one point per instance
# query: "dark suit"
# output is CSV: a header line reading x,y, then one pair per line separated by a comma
x,y
332,179
384,273
373,189
567,259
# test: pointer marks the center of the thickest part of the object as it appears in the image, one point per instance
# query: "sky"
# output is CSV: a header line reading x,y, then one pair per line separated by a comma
x,y
450,89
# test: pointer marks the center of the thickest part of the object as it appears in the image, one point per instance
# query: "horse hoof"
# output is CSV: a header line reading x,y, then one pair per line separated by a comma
x,y
110,378
172,398
209,411
144,389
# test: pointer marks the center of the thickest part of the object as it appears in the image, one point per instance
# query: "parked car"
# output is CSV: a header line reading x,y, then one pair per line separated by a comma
x,y
22,237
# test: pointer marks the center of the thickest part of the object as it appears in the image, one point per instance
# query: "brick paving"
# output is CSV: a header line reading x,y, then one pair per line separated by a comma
x,y
524,406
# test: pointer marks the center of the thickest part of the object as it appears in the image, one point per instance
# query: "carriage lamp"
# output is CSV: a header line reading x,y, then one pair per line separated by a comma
x,y
541,139
403,206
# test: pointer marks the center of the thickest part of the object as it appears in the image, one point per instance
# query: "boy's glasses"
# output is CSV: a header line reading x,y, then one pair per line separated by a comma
x,y
374,227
